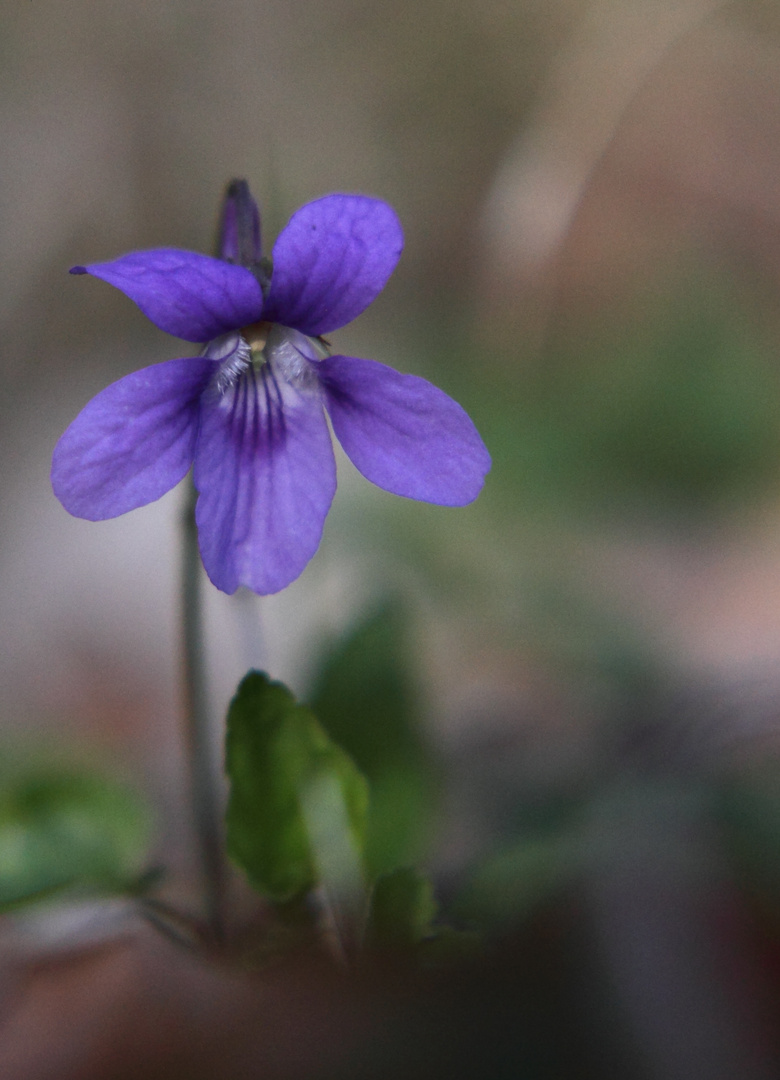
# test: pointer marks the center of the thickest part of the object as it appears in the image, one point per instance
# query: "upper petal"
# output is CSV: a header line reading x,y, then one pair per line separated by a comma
x,y
266,476
331,261
240,239
133,442
403,433
188,295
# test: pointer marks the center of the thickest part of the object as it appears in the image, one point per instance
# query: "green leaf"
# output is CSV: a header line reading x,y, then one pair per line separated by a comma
x,y
366,698
402,910
61,830
296,815
401,919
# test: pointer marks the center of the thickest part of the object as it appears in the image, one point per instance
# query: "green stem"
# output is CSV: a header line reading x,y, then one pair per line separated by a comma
x,y
206,801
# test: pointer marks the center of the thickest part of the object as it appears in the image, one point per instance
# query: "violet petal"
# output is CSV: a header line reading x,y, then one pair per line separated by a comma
x,y
266,475
133,442
239,231
331,261
188,295
403,433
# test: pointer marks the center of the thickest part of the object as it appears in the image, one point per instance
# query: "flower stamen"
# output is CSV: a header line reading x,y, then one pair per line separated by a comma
x,y
256,336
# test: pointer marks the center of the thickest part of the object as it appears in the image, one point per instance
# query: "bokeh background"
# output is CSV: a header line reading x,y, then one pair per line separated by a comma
x,y
590,196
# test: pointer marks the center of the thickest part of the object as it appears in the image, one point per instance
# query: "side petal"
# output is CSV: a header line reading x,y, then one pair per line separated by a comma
x,y
331,261
133,442
403,433
188,295
266,476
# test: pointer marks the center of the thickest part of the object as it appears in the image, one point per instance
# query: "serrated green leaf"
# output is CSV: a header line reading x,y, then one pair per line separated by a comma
x,y
366,698
61,830
402,909
296,815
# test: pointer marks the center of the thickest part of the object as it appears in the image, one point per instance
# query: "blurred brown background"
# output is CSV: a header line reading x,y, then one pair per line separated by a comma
x,y
590,197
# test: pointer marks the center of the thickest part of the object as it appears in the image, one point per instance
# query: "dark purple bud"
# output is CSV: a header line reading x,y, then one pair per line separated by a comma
x,y
239,232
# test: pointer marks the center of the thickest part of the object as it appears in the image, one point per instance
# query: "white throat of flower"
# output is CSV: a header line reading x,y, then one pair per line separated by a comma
x,y
286,354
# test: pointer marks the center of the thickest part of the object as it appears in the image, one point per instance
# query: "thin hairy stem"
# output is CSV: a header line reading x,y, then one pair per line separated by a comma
x,y
206,801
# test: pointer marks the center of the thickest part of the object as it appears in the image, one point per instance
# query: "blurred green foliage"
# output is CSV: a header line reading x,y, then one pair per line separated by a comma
x,y
747,805
673,404
509,885
66,830
682,408
402,920
402,910
366,697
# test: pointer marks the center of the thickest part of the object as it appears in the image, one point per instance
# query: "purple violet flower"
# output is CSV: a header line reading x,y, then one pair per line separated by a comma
x,y
249,412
